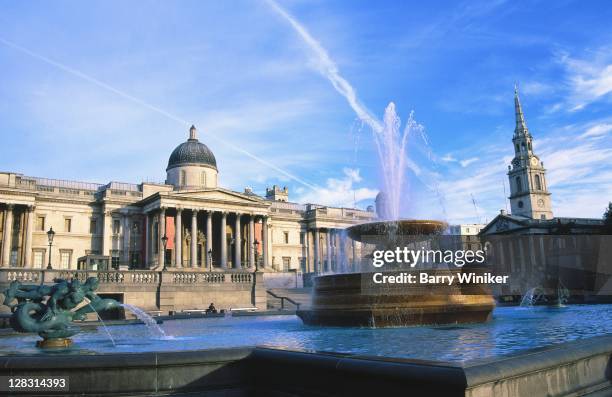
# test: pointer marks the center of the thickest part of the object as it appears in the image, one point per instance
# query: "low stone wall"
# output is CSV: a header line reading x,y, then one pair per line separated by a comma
x,y
568,369
211,372
172,290
289,279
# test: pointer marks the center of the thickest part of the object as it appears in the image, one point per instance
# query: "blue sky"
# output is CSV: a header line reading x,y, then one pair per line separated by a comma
x,y
100,91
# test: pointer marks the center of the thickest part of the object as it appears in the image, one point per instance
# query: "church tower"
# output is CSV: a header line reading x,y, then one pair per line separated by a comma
x,y
529,196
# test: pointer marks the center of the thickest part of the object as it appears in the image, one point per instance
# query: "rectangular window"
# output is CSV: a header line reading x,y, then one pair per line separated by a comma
x,y
38,259
65,259
302,238
286,262
286,236
116,226
40,223
67,225
93,226
115,255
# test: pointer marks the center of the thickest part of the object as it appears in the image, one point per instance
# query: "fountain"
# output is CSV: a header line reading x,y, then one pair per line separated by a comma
x,y
340,299
49,310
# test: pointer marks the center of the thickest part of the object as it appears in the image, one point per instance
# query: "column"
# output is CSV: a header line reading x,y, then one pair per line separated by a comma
x,y
107,231
308,266
6,235
209,234
237,243
223,240
28,242
354,247
126,239
147,244
178,240
264,240
194,238
342,261
162,232
251,241
316,250
329,248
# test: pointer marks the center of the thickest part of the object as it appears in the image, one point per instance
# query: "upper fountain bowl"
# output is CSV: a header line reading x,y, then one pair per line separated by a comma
x,y
401,227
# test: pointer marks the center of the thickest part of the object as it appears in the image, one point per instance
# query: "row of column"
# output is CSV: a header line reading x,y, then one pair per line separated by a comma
x,y
7,236
336,255
207,257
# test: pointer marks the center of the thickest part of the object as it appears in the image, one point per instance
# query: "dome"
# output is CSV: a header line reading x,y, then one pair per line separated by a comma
x,y
192,152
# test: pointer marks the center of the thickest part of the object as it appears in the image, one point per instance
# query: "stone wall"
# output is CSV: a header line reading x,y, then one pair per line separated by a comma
x,y
171,290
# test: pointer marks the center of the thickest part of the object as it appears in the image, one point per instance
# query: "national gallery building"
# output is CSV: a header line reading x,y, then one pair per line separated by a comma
x,y
187,222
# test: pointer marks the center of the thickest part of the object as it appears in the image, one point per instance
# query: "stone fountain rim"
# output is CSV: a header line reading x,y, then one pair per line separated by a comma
x,y
438,226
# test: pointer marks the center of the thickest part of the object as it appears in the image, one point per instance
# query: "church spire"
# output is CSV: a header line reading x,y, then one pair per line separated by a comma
x,y
193,133
521,126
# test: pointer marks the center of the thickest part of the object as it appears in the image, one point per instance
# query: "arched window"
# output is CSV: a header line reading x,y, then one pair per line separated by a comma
x,y
523,145
537,182
203,178
517,148
519,187
529,145
520,204
183,177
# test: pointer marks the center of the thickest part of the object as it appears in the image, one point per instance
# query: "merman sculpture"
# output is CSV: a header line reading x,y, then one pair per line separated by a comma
x,y
49,310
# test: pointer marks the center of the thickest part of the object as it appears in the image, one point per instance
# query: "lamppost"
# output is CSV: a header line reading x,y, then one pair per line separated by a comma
x,y
256,244
50,235
164,241
210,259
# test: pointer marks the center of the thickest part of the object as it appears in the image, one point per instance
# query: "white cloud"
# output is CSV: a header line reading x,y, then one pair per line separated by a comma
x,y
340,192
536,88
589,80
466,162
597,131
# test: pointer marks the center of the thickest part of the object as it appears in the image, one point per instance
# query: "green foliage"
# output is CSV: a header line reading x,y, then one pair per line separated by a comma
x,y
608,215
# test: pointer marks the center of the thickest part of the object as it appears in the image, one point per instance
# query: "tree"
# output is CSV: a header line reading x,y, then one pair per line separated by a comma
x,y
607,217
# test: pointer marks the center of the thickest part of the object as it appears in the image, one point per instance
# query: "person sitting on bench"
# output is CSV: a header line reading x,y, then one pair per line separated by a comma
x,y
211,309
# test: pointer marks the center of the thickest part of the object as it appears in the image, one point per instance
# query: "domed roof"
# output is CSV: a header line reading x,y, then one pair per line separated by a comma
x,y
192,152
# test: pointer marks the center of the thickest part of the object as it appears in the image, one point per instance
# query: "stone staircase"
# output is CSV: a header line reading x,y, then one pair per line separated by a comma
x,y
302,296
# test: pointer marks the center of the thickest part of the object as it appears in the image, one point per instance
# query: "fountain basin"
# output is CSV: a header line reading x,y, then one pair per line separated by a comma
x,y
352,300
340,300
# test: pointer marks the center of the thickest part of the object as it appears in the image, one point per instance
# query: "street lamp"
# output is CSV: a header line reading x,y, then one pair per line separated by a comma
x,y
50,236
210,259
164,241
256,244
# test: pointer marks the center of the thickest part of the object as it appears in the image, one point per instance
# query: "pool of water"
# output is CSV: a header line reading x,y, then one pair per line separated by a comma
x,y
512,329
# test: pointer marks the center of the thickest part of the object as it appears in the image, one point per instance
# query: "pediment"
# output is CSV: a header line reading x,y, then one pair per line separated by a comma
x,y
219,195
502,224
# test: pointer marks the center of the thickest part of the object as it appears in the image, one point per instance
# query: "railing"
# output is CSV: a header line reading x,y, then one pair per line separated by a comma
x,y
126,277
283,299
24,276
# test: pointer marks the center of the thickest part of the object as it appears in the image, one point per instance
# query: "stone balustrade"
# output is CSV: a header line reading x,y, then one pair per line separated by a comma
x,y
169,290
125,277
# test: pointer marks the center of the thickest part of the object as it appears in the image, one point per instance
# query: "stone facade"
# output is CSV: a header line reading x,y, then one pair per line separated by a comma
x,y
207,227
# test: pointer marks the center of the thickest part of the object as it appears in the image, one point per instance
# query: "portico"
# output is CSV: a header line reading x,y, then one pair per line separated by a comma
x,y
203,237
